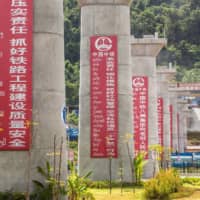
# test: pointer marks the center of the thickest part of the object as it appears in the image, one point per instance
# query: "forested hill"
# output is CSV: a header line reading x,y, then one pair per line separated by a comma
x,y
177,20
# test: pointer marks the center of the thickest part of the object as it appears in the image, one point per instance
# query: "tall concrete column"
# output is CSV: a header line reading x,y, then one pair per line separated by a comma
x,y
18,169
105,17
165,75
48,81
144,52
186,125
182,129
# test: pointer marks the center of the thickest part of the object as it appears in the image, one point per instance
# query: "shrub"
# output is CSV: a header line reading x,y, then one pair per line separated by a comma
x,y
105,184
138,163
97,184
10,195
164,183
192,181
51,188
77,188
72,118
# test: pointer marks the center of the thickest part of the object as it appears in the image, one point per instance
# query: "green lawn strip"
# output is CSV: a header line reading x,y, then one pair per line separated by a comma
x,y
185,191
127,194
104,194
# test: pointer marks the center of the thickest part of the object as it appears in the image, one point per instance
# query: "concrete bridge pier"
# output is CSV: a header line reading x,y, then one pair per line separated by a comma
x,y
18,168
165,75
182,125
186,126
143,62
105,18
48,83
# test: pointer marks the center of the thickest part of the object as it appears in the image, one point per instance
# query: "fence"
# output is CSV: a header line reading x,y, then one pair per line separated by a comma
x,y
188,164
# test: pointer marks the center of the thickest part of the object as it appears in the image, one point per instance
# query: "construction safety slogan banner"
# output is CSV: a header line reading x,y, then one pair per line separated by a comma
x,y
171,124
104,96
15,74
140,113
160,121
178,131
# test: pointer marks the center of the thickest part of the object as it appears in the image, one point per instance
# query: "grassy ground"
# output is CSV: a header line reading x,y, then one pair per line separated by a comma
x,y
128,194
195,196
184,193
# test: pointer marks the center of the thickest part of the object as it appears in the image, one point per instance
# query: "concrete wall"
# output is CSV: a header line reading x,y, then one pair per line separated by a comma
x,y
19,168
105,17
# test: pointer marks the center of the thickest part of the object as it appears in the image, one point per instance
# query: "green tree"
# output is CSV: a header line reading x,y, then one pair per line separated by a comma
x,y
192,76
71,82
145,22
178,20
72,30
194,4
72,41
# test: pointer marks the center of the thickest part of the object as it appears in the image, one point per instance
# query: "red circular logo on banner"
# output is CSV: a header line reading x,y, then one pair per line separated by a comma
x,y
103,44
138,82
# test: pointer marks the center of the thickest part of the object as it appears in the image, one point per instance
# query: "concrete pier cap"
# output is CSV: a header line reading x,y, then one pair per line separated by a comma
x,y
166,74
147,46
112,2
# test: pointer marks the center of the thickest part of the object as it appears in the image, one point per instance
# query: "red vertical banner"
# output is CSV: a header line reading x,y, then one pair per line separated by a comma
x,y
104,96
160,121
178,130
171,125
16,74
140,112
